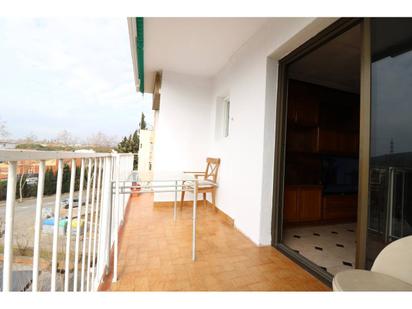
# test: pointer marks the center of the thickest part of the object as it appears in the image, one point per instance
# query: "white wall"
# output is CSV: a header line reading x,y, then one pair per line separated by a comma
x,y
250,80
145,163
182,127
188,129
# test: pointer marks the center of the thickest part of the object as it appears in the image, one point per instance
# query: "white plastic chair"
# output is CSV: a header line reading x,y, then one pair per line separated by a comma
x,y
391,271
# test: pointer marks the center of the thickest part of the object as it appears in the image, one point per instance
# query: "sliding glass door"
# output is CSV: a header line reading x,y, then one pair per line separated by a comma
x,y
384,207
390,163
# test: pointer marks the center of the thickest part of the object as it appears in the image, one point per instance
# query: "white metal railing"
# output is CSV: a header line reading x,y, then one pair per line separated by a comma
x,y
103,214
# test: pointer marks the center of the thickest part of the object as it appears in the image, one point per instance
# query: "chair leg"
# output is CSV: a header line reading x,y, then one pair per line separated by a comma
x,y
182,199
214,200
204,199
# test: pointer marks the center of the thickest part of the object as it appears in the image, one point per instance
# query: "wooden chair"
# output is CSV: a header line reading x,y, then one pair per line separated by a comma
x,y
212,169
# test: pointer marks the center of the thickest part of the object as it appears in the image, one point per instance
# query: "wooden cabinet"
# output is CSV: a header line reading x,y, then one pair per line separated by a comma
x,y
302,204
290,211
340,207
348,143
323,141
303,113
327,141
303,104
301,140
337,142
310,204
305,204
322,120
302,168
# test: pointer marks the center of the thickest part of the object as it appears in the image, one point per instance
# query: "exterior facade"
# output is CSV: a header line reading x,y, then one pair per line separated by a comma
x,y
145,163
7,145
307,122
191,115
225,87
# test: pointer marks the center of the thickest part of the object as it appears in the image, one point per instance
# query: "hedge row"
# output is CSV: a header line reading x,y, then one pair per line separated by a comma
x,y
50,180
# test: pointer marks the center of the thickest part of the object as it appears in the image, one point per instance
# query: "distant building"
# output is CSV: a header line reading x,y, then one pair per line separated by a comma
x,y
31,167
145,154
85,151
28,167
7,145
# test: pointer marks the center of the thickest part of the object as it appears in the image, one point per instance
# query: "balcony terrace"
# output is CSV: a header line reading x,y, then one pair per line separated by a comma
x,y
155,255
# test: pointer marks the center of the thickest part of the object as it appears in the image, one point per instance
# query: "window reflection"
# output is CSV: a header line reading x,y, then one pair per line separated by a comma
x,y
390,198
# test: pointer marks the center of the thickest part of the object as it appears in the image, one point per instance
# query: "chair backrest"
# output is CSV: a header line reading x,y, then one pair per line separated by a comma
x,y
212,169
395,260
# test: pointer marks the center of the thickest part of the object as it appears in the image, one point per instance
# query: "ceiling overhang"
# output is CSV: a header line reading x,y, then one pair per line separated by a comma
x,y
192,46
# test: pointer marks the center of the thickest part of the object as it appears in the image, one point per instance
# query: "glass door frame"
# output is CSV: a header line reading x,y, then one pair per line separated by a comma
x,y
329,33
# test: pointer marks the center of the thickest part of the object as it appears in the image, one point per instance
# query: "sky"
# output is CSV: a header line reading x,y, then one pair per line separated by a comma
x,y
391,105
71,74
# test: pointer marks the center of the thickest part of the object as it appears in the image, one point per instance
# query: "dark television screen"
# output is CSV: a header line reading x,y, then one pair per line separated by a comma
x,y
340,175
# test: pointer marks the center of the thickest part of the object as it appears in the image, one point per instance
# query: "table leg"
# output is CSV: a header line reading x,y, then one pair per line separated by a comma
x,y
175,204
194,221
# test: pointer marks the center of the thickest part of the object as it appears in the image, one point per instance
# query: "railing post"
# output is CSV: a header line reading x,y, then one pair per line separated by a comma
x,y
86,216
8,235
101,255
69,225
79,220
116,220
109,209
96,221
96,166
56,224
37,225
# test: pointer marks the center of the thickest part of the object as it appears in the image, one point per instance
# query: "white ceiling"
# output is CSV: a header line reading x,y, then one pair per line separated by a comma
x,y
335,64
195,46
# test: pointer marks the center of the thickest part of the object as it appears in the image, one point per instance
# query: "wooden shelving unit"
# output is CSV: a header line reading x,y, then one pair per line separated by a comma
x,y
321,121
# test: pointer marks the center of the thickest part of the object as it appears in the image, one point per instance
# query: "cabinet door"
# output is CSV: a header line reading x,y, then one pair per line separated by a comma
x,y
348,143
303,104
340,207
310,201
301,140
328,141
292,112
308,112
290,210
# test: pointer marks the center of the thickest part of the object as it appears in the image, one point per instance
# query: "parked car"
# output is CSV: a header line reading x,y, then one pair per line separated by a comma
x,y
65,203
31,180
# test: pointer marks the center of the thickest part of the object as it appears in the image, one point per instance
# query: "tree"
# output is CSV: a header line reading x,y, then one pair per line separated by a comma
x,y
66,178
22,183
134,143
123,146
142,124
101,139
65,137
49,182
22,180
130,145
24,171
3,130
30,139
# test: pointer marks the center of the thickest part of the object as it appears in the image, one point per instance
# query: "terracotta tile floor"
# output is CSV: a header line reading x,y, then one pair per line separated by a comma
x,y
155,255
